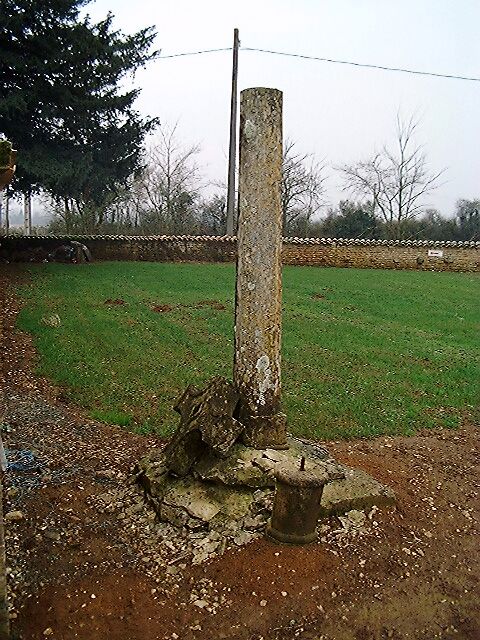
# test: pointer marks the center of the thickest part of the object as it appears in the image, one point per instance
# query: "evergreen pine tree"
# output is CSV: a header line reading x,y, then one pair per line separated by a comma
x,y
77,133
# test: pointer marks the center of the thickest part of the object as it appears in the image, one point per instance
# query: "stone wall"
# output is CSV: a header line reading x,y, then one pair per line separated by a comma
x,y
329,252
378,254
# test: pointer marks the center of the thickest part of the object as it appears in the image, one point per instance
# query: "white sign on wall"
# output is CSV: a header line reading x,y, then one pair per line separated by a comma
x,y
435,253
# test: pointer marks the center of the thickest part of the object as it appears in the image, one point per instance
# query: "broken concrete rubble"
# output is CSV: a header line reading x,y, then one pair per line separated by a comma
x,y
357,490
235,493
206,424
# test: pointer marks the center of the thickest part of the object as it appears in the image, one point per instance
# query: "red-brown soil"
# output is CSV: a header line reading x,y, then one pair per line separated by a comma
x,y
117,301
202,304
213,304
80,572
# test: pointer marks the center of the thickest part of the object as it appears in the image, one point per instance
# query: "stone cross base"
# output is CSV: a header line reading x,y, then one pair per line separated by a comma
x,y
207,478
236,493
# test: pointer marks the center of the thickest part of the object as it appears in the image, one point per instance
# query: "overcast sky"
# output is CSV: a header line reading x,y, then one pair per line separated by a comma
x,y
339,113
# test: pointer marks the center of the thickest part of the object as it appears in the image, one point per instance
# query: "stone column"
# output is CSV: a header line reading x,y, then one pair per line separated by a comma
x,y
258,309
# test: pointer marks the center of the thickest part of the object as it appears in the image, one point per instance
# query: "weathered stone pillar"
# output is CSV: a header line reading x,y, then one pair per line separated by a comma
x,y
258,310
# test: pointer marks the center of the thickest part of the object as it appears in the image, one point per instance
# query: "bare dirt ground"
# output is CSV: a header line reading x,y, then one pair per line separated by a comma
x,y
80,567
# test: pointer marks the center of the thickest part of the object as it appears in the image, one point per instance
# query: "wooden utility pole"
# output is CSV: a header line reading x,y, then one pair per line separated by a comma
x,y
7,213
233,139
27,214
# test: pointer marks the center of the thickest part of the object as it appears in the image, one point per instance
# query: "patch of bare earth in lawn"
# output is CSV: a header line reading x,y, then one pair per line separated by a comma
x,y
88,560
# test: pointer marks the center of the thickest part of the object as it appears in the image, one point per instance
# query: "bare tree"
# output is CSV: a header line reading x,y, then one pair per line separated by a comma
x,y
212,214
171,181
302,187
395,182
161,198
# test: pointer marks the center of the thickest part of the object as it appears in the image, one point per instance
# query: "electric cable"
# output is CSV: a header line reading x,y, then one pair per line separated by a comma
x,y
364,65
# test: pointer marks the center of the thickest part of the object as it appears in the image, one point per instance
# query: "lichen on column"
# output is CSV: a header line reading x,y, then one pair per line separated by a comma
x,y
259,278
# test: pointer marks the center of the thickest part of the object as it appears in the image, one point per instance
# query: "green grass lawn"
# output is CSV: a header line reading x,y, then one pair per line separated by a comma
x,y
365,352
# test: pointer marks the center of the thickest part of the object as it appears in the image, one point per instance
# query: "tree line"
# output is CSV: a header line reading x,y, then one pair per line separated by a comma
x,y
83,146
168,196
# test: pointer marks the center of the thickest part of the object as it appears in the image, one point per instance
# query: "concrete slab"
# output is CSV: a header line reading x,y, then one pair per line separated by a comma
x,y
357,490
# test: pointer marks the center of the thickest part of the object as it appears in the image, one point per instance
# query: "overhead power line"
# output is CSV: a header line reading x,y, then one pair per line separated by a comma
x,y
189,53
364,65
380,67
